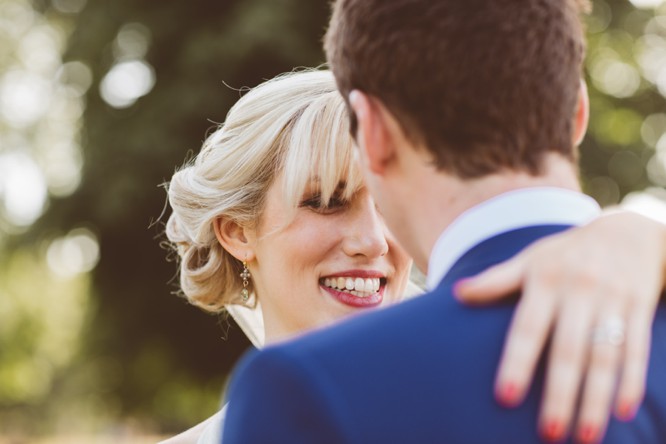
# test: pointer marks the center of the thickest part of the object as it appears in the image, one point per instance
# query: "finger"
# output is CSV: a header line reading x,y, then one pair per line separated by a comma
x,y
600,381
494,283
634,371
567,358
530,327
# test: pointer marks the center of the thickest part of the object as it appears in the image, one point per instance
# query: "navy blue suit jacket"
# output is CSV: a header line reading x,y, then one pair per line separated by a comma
x,y
419,372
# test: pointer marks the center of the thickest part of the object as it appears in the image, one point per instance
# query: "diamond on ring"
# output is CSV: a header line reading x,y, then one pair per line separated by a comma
x,y
609,331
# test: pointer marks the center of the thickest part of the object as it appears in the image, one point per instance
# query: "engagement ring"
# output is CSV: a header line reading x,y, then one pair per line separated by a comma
x,y
610,331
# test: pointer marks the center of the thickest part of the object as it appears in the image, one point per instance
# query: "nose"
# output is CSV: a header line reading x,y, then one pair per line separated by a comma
x,y
365,233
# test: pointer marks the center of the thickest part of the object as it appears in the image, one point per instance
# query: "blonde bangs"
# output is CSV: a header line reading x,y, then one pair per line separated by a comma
x,y
320,151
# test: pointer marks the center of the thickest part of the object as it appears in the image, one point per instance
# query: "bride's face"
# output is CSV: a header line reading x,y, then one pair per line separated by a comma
x,y
325,263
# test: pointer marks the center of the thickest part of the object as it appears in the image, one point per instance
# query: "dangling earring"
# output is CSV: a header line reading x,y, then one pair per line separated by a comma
x,y
245,275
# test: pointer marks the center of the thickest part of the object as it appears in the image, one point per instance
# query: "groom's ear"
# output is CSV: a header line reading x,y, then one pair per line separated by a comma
x,y
373,135
582,114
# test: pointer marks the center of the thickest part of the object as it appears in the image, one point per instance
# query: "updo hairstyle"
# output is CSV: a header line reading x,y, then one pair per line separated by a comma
x,y
294,125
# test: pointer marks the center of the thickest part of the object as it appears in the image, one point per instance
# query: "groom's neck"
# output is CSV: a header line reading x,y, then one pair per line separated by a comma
x,y
450,196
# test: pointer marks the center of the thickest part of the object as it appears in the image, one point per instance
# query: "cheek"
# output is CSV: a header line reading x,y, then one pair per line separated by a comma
x,y
306,244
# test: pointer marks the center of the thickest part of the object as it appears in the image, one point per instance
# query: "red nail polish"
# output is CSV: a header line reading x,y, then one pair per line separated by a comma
x,y
625,411
588,434
508,395
553,431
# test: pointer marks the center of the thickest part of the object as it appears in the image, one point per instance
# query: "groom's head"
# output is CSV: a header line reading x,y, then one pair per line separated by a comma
x,y
479,86
483,84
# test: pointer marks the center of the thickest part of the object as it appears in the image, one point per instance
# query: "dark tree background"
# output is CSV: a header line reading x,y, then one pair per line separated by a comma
x,y
196,47
145,353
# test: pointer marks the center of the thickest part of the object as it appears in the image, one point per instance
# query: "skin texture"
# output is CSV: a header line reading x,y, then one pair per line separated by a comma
x,y
288,253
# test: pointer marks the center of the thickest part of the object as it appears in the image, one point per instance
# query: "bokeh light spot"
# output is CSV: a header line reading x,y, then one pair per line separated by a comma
x,y
132,42
39,49
652,129
615,78
24,98
69,6
22,188
16,17
646,4
76,253
75,75
126,82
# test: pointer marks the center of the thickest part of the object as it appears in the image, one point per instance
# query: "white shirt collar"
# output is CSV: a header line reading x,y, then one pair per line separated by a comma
x,y
508,211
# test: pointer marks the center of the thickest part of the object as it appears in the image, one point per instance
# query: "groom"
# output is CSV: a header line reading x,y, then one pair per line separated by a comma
x,y
466,114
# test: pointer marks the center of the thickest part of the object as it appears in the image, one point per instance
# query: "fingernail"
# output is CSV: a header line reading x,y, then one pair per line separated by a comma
x,y
553,431
626,411
588,434
459,283
507,394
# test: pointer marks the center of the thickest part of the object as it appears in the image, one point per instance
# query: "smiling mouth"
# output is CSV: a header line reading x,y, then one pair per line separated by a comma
x,y
355,291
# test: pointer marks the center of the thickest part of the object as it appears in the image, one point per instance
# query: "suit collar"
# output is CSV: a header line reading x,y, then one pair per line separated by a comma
x,y
509,211
495,250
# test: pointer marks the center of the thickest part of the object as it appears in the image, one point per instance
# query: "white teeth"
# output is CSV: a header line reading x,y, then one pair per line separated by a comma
x,y
349,284
359,284
356,286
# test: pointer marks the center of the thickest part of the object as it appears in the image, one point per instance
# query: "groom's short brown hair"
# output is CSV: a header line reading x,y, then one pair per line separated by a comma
x,y
485,85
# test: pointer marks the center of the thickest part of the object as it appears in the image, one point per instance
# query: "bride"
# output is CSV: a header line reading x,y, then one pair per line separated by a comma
x,y
272,223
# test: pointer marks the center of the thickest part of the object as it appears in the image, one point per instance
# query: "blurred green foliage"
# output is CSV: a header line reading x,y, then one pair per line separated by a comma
x,y
624,90
143,352
115,342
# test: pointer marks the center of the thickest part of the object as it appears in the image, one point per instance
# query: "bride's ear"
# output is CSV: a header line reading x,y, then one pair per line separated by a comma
x,y
234,238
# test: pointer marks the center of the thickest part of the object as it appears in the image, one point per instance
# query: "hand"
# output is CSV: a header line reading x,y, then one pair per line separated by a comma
x,y
611,270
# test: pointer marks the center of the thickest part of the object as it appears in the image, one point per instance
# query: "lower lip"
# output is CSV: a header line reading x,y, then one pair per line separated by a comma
x,y
354,301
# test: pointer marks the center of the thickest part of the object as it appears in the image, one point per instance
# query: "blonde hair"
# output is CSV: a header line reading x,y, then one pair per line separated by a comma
x,y
296,125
